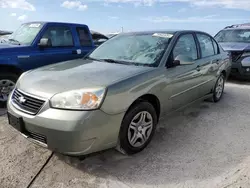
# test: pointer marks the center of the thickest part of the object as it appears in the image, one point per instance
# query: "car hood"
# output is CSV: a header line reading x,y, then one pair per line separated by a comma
x,y
6,48
76,74
235,46
7,45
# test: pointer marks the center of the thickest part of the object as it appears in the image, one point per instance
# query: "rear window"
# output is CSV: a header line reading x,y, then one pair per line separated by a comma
x,y
84,36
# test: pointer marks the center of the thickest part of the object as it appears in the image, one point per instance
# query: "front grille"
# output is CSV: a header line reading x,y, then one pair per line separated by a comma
x,y
236,55
37,137
26,102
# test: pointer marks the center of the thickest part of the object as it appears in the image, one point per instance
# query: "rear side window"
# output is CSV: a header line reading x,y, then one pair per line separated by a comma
x,y
84,36
206,45
59,36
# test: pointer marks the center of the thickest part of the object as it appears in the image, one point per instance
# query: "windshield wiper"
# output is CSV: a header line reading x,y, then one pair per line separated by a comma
x,y
115,61
14,40
90,58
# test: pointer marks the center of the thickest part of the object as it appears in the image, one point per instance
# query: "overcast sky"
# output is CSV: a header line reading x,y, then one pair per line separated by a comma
x,y
110,15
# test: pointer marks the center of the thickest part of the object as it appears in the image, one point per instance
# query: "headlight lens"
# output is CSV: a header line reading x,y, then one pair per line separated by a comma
x,y
83,99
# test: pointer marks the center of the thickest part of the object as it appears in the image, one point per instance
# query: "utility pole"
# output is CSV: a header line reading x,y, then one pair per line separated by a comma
x,y
122,29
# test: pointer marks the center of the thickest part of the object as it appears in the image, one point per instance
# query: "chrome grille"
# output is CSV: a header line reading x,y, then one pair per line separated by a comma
x,y
26,102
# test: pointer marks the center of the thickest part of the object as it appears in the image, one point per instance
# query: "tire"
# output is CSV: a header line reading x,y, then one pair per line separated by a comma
x,y
127,144
219,88
4,79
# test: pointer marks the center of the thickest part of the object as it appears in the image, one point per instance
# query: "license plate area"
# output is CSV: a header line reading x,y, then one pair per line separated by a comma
x,y
15,122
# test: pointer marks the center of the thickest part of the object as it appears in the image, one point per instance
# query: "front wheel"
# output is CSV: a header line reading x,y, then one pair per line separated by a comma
x,y
137,129
219,88
7,84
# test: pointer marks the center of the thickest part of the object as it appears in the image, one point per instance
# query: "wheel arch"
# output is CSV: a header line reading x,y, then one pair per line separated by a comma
x,y
152,99
224,73
10,68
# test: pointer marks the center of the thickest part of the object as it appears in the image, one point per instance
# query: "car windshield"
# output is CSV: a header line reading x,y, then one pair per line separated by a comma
x,y
139,49
25,34
237,35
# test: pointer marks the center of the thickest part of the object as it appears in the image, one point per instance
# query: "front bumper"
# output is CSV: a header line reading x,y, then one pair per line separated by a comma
x,y
239,71
241,68
70,132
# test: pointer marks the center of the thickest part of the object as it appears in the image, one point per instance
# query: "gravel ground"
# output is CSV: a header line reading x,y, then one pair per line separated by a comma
x,y
206,145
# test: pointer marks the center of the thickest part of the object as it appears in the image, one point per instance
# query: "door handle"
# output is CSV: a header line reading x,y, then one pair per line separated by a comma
x,y
74,51
216,61
198,68
78,51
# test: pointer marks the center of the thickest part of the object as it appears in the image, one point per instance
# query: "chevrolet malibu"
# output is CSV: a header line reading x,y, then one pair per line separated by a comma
x,y
114,97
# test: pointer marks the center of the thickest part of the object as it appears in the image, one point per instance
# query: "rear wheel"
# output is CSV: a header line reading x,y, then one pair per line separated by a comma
x,y
219,88
7,84
137,129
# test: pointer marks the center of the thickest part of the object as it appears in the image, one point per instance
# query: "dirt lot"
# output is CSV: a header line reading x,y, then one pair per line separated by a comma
x,y
207,145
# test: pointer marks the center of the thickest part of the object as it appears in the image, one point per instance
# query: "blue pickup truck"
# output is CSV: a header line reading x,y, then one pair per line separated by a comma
x,y
37,44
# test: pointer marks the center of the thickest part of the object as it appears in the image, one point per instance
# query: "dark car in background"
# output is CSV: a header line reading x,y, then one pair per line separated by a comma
x,y
2,33
236,40
98,38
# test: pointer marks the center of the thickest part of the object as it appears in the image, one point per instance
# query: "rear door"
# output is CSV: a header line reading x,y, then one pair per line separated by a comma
x,y
209,62
85,40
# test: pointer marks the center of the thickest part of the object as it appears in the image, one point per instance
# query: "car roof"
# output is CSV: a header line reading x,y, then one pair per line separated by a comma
x,y
162,31
55,23
238,26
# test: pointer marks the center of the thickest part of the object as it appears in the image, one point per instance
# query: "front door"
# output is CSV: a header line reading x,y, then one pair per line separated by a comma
x,y
184,79
62,49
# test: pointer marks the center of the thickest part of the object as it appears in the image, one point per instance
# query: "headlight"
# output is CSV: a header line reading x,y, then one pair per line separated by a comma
x,y
82,99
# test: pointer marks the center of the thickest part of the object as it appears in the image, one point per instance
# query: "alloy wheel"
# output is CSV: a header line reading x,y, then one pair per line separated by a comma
x,y
6,86
219,87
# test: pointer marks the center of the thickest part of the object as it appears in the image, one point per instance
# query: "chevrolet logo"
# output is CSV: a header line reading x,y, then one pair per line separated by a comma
x,y
21,99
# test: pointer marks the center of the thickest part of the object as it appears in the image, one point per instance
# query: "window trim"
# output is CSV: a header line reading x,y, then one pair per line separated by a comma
x,y
89,34
170,56
58,26
211,38
218,49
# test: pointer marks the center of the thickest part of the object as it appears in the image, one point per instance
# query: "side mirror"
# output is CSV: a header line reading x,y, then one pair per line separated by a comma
x,y
184,60
44,43
176,63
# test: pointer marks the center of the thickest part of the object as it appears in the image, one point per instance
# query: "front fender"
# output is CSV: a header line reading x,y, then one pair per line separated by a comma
x,y
9,62
121,95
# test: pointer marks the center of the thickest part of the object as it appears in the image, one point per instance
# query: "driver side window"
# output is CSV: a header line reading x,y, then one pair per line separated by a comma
x,y
60,36
186,46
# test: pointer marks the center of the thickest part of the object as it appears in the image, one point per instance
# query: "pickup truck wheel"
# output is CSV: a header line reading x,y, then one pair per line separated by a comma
x,y
7,84
137,128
